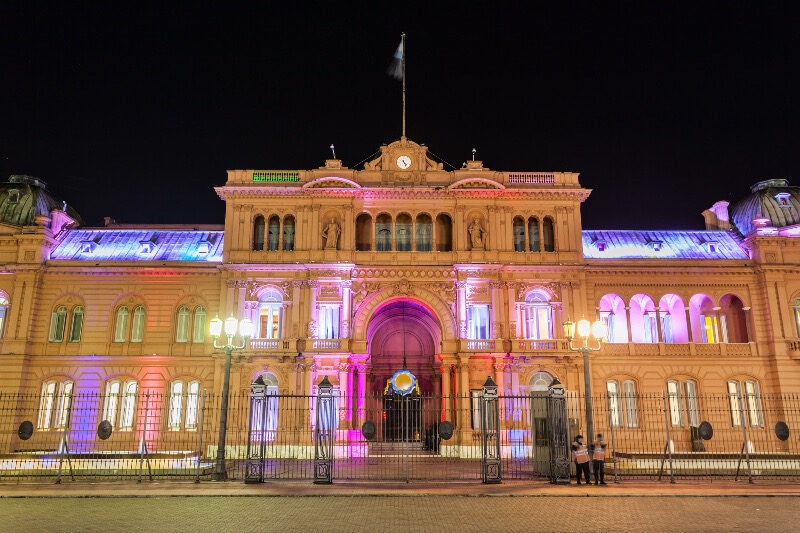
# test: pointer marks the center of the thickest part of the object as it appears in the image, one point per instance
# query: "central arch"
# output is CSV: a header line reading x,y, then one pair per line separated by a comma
x,y
403,329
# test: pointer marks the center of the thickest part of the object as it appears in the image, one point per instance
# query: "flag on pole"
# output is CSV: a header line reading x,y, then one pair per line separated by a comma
x,y
395,69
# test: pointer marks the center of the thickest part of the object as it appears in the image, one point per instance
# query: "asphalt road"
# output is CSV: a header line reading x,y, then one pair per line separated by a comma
x,y
386,514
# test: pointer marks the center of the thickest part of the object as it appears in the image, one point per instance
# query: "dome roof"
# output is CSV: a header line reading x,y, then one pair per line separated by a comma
x,y
773,200
24,197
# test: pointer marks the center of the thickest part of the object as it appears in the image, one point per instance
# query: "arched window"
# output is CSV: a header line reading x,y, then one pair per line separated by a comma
x,y
540,381
614,315
199,326
644,326
538,316
548,235
288,234
424,233
519,234
137,325
264,421
622,403
54,404
444,233
683,405
121,324
533,234
258,233
733,319
76,324
673,319
745,400
383,233
3,312
183,404
182,325
58,320
119,404
273,232
270,315
363,233
403,232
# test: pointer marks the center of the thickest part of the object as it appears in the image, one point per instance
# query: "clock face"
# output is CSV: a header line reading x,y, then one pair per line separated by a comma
x,y
404,162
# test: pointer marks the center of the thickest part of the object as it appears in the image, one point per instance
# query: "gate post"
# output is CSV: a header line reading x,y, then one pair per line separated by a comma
x,y
323,439
559,433
254,473
490,433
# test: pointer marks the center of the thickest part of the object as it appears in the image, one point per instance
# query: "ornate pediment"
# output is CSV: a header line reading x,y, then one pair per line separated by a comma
x,y
331,182
473,183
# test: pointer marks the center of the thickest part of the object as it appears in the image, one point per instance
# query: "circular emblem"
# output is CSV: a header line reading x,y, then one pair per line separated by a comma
x,y
104,430
25,430
706,431
403,382
446,430
782,431
368,429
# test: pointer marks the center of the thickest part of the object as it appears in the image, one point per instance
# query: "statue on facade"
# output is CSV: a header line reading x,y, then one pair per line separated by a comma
x,y
331,234
477,234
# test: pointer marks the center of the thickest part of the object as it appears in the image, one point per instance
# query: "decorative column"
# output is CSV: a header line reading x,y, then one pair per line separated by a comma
x,y
500,379
688,324
346,394
628,318
497,306
658,326
344,333
313,287
314,229
230,285
241,296
362,393
447,391
464,391
462,309
346,241
747,322
717,330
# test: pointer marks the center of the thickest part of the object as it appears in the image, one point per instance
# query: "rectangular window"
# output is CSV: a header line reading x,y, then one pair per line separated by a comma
x,y
328,327
709,327
734,392
754,410
631,416
613,403
478,321
675,412
692,407
199,329
64,404
475,408
137,328
192,403
607,317
77,325
650,328
270,324
666,327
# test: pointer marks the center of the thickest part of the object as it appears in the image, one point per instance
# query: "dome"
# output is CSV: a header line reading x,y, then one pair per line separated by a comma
x,y
774,200
24,197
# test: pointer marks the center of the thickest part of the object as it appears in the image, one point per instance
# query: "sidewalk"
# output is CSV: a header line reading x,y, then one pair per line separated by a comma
x,y
355,489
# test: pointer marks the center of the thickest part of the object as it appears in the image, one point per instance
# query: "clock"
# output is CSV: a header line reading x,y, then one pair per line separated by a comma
x,y
404,162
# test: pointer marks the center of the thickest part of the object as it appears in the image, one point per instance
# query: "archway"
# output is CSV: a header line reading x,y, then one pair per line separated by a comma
x,y
403,330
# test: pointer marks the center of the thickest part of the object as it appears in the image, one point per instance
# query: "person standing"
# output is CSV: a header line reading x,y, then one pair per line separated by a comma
x,y
599,459
581,455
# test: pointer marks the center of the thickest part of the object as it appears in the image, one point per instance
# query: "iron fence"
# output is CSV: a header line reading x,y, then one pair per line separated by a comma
x,y
151,435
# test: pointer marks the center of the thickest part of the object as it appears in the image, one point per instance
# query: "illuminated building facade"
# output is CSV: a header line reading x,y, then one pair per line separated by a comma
x,y
354,274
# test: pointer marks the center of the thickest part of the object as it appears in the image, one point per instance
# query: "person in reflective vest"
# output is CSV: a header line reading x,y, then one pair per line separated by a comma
x,y
581,455
599,459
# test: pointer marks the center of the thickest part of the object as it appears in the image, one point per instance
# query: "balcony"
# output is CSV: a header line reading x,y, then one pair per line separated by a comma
x,y
273,345
531,346
690,349
327,345
793,348
481,345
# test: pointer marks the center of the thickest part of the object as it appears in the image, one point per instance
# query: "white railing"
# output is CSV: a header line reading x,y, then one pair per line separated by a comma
x,y
531,177
264,344
481,345
326,344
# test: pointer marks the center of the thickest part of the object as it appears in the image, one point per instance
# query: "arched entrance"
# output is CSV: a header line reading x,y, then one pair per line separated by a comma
x,y
404,330
403,336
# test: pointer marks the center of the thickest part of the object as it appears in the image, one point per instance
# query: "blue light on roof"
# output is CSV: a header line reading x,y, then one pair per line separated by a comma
x,y
140,245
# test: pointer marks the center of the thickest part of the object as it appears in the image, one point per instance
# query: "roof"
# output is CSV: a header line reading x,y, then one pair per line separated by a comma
x,y
774,201
139,245
24,197
639,244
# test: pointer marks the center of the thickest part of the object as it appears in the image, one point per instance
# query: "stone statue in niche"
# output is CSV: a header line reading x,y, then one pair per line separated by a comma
x,y
477,234
331,234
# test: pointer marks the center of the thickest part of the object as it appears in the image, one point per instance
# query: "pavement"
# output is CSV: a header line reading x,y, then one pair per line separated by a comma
x,y
147,489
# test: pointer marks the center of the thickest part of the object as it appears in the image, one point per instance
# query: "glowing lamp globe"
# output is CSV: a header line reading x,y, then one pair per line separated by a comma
x,y
246,328
599,330
231,325
584,327
216,327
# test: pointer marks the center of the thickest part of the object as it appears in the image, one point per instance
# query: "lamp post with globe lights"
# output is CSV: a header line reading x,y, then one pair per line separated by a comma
x,y
245,331
586,331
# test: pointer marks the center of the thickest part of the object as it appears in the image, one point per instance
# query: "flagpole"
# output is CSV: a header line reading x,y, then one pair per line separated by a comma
x,y
403,44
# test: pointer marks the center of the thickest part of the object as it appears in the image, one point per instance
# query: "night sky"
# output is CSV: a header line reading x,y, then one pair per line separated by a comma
x,y
136,112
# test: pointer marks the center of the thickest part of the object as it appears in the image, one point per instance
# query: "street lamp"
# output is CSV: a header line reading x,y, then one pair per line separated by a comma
x,y
598,332
245,329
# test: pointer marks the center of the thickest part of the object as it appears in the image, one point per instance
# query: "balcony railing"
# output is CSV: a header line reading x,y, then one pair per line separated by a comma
x,y
273,345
